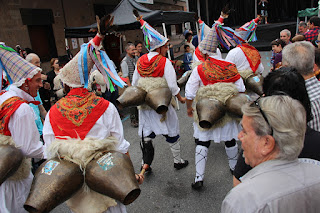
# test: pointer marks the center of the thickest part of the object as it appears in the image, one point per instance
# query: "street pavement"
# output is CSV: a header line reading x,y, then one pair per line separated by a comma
x,y
167,190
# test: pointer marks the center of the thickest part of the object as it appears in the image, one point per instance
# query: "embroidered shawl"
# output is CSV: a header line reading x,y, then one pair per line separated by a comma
x,y
153,68
75,114
213,71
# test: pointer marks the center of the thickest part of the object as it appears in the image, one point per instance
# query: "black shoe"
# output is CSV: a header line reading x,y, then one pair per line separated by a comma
x,y
134,123
231,171
179,166
197,185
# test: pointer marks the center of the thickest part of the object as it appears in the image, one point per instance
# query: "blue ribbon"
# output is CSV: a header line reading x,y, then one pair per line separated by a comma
x,y
85,65
202,32
8,76
1,75
80,65
153,34
108,63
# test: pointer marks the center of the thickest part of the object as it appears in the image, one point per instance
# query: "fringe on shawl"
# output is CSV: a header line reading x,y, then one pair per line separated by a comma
x,y
81,152
219,91
25,167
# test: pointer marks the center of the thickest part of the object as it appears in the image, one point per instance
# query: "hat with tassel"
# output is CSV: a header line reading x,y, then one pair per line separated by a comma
x,y
248,30
152,38
16,68
219,34
76,72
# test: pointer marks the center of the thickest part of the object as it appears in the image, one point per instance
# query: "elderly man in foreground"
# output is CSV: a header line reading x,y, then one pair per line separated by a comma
x,y
272,138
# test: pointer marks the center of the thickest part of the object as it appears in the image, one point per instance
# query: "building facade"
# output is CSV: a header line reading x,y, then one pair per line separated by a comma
x,y
39,25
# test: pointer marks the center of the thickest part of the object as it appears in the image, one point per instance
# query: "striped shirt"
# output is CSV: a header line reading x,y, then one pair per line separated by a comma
x,y
313,89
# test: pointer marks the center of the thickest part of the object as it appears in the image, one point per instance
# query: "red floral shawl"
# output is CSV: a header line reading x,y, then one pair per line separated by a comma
x,y
152,68
252,55
214,71
75,114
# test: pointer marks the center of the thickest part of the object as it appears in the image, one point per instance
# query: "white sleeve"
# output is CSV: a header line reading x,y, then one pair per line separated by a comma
x,y
25,133
48,134
171,78
260,69
231,56
124,69
240,85
192,85
112,118
135,77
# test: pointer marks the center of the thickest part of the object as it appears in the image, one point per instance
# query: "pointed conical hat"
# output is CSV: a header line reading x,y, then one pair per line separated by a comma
x,y
210,43
16,67
153,38
69,74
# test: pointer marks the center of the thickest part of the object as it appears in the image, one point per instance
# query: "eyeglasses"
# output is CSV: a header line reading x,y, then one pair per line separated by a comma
x,y
256,103
317,42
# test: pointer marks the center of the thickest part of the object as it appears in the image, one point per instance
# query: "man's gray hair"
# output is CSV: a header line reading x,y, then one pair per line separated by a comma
x,y
30,56
286,31
129,45
303,24
286,116
299,55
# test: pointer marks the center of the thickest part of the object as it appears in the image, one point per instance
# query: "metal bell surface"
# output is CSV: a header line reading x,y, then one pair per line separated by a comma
x,y
209,111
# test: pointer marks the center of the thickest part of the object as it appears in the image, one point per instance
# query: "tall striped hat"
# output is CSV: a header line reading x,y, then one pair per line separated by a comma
x,y
16,68
153,38
248,30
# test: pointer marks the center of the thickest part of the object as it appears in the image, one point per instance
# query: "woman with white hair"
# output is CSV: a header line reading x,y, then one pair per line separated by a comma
x,y
272,139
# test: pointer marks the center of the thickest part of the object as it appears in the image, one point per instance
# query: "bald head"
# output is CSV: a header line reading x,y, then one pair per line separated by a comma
x,y
33,59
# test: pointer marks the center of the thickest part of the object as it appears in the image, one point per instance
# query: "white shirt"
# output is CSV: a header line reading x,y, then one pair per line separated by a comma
x,y
195,58
276,186
225,133
25,134
149,120
237,56
109,124
169,75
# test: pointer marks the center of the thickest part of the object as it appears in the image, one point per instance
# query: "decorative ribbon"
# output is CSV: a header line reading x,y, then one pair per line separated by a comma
x,y
82,52
108,63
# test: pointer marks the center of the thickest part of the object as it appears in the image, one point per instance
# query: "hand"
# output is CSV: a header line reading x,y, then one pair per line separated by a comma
x,y
182,100
46,85
190,112
224,15
140,178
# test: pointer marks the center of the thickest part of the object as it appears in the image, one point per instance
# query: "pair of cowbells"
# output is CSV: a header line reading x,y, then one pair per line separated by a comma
x,y
57,180
158,99
211,110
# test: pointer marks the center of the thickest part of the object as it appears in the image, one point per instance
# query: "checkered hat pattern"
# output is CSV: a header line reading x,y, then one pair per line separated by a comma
x,y
17,68
210,43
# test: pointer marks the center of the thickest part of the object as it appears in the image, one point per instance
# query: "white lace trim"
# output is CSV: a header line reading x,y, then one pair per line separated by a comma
x,y
30,75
